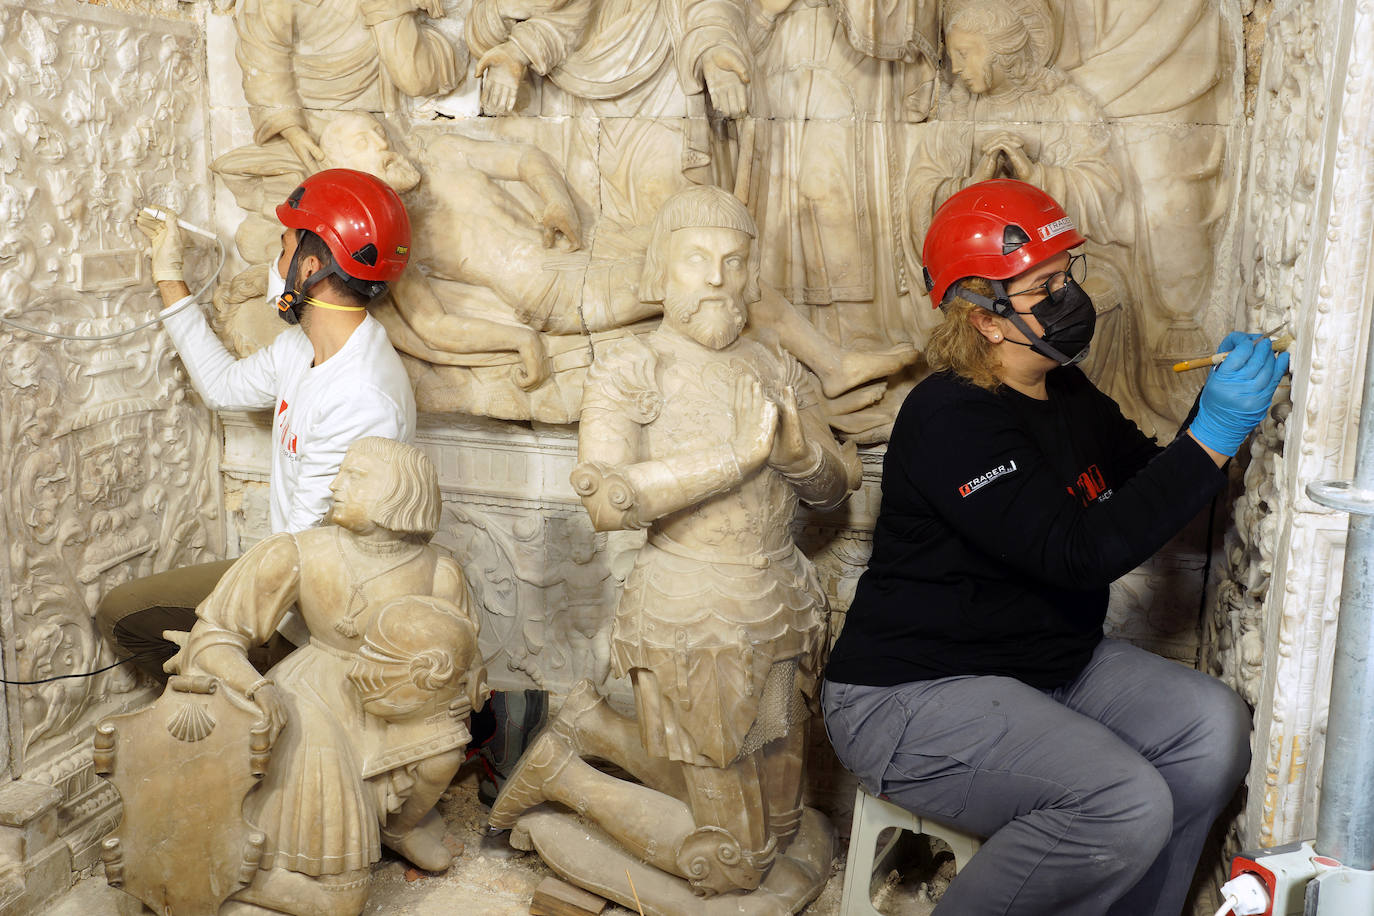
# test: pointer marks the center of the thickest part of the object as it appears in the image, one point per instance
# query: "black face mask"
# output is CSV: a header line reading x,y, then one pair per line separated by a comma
x,y
1068,319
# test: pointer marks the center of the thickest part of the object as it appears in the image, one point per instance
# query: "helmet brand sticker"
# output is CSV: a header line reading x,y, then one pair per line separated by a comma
x,y
1063,224
401,249
987,477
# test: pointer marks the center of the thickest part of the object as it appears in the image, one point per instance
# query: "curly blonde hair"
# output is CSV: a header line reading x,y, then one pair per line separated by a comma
x,y
957,346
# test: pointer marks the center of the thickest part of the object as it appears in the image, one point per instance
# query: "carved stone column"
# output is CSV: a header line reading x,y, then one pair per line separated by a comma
x,y
1308,213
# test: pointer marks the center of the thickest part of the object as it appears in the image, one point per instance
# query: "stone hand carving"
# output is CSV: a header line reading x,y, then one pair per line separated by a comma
x,y
299,59
368,721
708,440
511,38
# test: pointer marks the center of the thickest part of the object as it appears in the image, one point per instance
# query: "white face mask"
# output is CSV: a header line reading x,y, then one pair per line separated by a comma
x,y
276,284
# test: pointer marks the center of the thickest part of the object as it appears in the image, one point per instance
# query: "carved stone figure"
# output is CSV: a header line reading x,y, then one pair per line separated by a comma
x,y
833,79
367,721
301,59
707,439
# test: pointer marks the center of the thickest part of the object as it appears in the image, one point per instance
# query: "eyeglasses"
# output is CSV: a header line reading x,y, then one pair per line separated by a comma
x,y
1053,286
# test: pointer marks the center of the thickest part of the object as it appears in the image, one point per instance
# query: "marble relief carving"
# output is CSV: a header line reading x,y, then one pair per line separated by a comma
x,y
111,467
109,470
1308,209
840,125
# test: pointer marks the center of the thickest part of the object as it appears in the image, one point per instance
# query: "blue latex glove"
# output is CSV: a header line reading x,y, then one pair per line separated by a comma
x,y
1234,339
1238,392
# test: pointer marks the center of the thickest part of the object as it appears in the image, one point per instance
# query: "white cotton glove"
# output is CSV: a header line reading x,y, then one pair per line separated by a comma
x,y
167,246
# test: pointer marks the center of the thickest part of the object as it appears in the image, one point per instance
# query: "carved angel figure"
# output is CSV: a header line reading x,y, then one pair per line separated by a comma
x,y
708,439
369,717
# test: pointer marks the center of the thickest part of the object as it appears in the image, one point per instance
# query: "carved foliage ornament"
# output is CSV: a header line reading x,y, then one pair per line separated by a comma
x,y
109,468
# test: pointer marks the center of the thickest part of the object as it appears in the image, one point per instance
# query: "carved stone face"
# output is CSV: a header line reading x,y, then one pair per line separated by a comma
x,y
359,484
708,270
972,60
357,141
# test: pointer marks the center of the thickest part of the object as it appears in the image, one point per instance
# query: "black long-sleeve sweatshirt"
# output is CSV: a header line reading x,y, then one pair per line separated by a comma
x,y
1004,519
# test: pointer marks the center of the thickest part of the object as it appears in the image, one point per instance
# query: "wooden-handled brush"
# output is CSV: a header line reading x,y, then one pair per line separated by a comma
x,y
1280,343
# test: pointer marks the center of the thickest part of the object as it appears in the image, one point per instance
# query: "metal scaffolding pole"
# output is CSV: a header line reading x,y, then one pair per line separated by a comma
x,y
1345,811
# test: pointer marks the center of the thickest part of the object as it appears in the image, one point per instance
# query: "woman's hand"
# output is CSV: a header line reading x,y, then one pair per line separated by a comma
x,y
1238,392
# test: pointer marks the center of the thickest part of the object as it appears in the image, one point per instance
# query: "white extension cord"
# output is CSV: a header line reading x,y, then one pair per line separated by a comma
x,y
1245,895
161,316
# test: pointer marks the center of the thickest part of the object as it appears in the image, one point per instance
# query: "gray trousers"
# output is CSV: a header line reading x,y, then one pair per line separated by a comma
x,y
1095,798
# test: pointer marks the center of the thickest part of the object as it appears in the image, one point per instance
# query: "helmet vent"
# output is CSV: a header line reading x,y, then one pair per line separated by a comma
x,y
366,255
1013,237
294,201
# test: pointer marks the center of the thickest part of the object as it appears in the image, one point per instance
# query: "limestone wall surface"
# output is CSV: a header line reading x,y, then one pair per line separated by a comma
x,y
110,467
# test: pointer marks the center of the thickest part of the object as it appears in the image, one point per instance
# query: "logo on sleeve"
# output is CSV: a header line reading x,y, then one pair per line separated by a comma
x,y
987,477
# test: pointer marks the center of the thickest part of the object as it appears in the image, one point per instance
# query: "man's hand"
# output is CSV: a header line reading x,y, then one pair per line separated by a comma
x,y
501,69
789,446
726,74
305,148
756,420
269,699
167,246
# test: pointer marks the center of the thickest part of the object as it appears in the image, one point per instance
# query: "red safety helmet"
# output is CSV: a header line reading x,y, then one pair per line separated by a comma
x,y
360,218
994,229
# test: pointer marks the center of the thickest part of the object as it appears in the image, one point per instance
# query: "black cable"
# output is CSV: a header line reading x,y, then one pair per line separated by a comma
x,y
84,673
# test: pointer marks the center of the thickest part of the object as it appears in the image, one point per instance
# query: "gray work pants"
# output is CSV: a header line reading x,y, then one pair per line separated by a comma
x,y
1095,798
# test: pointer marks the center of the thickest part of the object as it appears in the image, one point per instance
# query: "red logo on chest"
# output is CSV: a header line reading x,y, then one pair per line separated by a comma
x,y
1089,486
287,440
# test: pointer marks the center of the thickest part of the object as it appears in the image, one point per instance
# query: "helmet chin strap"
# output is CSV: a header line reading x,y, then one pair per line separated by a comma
x,y
321,304
1001,306
292,298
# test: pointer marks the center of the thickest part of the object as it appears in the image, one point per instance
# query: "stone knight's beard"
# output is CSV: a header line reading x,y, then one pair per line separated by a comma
x,y
714,320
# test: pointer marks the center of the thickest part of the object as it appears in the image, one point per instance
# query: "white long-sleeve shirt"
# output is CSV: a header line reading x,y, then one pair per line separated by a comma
x,y
319,411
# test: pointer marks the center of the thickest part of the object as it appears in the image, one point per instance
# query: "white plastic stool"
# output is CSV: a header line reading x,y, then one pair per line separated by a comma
x,y
866,865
